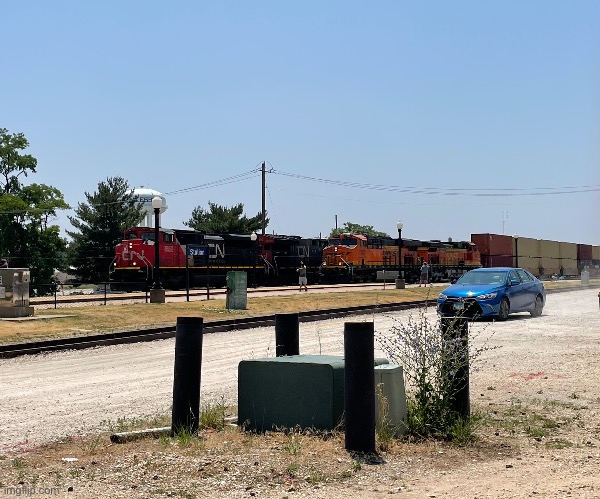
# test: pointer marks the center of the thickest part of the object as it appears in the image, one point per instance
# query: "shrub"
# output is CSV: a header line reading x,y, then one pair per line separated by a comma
x,y
436,366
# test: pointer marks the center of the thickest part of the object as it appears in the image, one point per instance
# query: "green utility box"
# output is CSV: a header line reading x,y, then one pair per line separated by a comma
x,y
390,397
298,390
237,291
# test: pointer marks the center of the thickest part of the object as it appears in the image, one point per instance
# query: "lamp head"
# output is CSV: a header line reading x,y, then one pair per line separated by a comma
x,y
399,225
253,236
156,202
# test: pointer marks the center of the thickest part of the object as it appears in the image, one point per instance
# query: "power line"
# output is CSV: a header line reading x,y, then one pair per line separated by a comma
x,y
216,183
491,192
429,191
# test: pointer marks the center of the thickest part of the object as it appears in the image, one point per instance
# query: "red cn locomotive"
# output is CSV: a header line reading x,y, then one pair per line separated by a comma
x,y
195,259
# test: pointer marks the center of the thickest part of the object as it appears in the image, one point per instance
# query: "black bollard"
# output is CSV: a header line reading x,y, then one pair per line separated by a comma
x,y
287,335
455,334
359,386
186,382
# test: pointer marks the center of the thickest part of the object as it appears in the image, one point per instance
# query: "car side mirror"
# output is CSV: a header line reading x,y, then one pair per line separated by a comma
x,y
515,282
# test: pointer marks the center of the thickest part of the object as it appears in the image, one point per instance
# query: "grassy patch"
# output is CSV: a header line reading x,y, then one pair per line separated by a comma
x,y
93,319
558,443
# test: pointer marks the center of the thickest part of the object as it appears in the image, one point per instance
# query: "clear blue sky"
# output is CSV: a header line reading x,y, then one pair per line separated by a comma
x,y
444,101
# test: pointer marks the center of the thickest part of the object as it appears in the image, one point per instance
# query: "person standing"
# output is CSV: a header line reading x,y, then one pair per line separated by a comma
x,y
302,276
424,274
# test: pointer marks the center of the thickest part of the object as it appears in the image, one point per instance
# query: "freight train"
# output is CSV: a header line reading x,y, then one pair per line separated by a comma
x,y
189,258
544,258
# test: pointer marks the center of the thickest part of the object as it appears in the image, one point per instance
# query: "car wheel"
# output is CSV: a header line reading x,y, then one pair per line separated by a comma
x,y
504,310
537,308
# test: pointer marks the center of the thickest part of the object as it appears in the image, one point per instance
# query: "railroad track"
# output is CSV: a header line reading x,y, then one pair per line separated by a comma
x,y
151,334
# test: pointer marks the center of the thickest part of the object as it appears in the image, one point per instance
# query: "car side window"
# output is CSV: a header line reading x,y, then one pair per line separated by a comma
x,y
514,276
525,277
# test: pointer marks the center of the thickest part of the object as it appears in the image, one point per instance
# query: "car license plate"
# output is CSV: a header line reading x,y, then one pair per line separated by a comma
x,y
458,305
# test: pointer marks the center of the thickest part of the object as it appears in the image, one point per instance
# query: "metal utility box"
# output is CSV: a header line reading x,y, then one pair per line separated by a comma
x,y
14,293
298,390
585,277
390,397
237,291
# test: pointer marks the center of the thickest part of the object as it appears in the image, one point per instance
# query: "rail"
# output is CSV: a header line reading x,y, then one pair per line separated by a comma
x,y
152,334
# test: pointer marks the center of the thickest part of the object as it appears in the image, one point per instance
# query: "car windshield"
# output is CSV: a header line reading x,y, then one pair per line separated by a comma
x,y
486,277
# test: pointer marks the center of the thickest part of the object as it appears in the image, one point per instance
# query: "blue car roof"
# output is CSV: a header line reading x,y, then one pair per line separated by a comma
x,y
494,269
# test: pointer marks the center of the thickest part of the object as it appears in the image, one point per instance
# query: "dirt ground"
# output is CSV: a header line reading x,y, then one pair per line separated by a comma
x,y
536,397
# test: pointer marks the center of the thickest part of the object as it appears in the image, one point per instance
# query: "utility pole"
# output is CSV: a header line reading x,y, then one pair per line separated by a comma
x,y
263,197
504,217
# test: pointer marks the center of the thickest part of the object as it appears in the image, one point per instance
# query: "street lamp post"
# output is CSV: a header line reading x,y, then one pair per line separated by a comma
x,y
516,236
157,294
400,280
253,238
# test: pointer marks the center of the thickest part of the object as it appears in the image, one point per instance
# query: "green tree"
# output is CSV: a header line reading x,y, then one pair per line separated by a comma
x,y
220,219
13,164
100,224
28,238
351,228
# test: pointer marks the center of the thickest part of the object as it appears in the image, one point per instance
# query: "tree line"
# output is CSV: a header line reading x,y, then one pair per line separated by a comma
x,y
28,239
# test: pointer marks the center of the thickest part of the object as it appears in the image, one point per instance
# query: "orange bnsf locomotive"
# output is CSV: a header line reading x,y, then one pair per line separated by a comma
x,y
358,258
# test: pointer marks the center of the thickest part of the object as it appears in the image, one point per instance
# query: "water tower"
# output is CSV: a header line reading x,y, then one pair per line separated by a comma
x,y
144,196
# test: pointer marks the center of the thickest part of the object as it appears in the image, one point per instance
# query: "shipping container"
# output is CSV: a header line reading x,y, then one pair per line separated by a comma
x,y
569,267
496,260
527,247
493,244
531,264
584,252
595,252
568,251
549,249
550,265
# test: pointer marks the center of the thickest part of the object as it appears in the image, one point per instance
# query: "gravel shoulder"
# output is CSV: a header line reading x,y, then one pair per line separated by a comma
x,y
546,369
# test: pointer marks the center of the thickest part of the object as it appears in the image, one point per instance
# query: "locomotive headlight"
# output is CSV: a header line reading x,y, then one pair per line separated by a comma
x,y
134,264
131,245
442,297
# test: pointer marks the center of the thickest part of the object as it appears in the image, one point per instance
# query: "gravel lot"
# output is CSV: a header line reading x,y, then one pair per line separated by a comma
x,y
554,358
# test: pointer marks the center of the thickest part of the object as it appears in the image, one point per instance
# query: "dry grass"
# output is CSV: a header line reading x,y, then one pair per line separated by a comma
x,y
226,463
84,320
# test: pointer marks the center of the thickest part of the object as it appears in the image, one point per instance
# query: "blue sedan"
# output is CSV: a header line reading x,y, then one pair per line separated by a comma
x,y
493,292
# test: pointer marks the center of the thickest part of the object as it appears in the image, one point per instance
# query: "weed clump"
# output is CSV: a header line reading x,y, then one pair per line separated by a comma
x,y
436,366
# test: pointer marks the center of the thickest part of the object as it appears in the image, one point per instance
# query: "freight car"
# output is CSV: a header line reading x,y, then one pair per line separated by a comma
x,y
356,258
543,258
196,259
